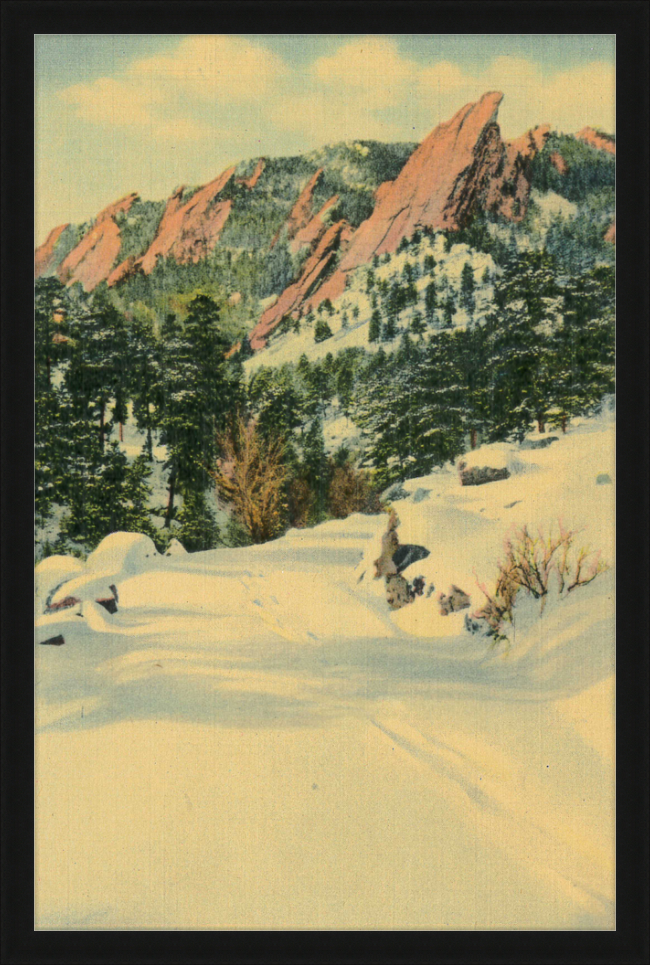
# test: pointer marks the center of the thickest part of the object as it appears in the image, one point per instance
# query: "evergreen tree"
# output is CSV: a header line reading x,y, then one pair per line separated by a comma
x,y
198,529
448,310
430,302
417,324
201,388
374,327
322,331
145,379
467,288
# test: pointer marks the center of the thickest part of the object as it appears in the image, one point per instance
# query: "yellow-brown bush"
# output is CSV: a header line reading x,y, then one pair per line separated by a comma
x,y
351,491
532,564
252,477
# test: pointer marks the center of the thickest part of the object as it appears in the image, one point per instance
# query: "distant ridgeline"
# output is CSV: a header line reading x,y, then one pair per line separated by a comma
x,y
428,295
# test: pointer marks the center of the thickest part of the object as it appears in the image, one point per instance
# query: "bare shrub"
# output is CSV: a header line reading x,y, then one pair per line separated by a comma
x,y
252,476
351,491
532,564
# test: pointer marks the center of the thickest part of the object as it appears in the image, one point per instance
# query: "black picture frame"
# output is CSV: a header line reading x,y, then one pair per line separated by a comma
x,y
629,20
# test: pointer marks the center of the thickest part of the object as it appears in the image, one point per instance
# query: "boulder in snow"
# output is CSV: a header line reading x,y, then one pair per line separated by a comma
x,y
398,592
603,479
407,553
453,601
537,443
479,475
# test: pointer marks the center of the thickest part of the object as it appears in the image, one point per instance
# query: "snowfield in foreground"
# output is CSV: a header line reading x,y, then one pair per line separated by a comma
x,y
255,740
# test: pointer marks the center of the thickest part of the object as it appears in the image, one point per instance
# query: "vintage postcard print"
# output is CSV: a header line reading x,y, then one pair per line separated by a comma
x,y
324,510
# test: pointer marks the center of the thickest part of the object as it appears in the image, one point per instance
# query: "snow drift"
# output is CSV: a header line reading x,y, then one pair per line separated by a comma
x,y
255,739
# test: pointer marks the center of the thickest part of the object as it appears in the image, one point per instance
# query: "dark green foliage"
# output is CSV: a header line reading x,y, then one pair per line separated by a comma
x,y
200,389
197,528
374,327
138,227
107,496
430,302
467,288
589,169
322,331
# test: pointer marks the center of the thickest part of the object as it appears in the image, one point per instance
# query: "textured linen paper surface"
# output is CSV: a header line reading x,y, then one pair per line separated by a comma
x,y
324,589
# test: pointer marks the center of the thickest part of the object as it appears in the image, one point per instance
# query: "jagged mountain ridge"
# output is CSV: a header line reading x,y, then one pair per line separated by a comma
x,y
333,209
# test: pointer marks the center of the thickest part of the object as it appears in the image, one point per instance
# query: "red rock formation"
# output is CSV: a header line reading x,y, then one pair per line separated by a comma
x,y
462,166
293,297
91,261
126,269
300,214
508,194
314,230
604,142
610,234
44,254
558,162
187,232
255,176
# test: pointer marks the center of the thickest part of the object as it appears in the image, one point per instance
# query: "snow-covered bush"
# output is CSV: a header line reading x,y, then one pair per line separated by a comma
x,y
536,565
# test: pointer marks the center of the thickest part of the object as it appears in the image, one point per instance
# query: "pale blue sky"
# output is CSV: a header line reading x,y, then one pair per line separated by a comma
x,y
145,113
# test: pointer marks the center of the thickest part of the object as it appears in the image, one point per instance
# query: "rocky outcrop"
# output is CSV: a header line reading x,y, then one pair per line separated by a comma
x,y
92,260
479,475
255,176
597,139
126,269
44,254
189,230
301,213
461,167
453,601
558,162
610,234
508,194
313,231
297,295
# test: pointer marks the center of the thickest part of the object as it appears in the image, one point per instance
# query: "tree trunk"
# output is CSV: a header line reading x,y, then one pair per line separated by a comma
x,y
121,432
170,502
149,444
563,423
101,426
540,424
472,438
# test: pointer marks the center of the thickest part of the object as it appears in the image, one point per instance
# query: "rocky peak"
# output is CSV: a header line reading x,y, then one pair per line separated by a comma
x,y
44,254
301,213
597,139
437,185
188,231
255,176
297,295
91,261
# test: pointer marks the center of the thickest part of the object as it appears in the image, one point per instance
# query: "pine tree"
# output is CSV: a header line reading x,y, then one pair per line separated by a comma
x,y
430,302
322,331
417,324
145,379
467,288
374,327
200,389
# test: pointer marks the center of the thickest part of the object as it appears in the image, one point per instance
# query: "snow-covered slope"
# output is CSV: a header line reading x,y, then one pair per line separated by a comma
x,y
256,740
354,332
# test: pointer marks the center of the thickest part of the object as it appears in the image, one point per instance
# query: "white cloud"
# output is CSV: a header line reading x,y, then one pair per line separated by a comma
x,y
163,93
211,67
365,89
